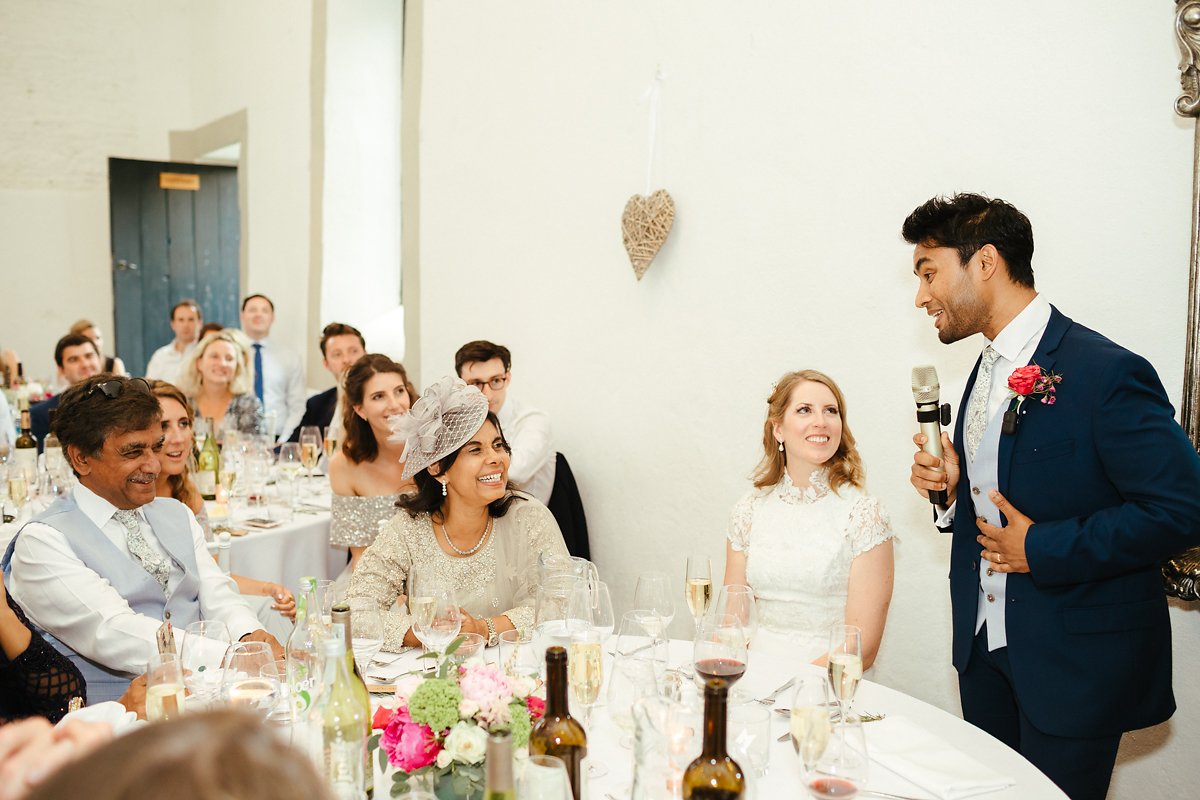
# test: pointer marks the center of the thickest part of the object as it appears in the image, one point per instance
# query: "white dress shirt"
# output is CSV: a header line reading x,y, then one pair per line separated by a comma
x,y
283,385
167,363
533,457
63,596
8,428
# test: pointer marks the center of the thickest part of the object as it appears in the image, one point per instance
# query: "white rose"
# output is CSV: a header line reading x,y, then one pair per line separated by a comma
x,y
444,758
466,743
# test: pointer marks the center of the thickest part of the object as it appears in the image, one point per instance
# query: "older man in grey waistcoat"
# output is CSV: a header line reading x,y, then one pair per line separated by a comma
x,y
97,570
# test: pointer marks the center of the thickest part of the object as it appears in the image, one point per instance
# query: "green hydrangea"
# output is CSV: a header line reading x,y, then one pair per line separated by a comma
x,y
435,703
520,725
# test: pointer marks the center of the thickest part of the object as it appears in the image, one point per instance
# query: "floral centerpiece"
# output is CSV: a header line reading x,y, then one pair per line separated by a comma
x,y
437,733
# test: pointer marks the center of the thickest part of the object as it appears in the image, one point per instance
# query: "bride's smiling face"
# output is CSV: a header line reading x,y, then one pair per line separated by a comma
x,y
811,428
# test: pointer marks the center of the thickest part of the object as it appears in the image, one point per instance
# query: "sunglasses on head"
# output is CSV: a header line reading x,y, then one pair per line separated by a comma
x,y
112,389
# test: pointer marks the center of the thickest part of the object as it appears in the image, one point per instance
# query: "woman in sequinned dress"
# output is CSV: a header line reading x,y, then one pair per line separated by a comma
x,y
366,474
463,525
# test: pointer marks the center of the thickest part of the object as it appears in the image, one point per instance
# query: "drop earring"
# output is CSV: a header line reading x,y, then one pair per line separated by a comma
x,y
781,447
443,488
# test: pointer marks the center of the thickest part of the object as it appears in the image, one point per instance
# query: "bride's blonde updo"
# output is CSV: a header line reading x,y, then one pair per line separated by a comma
x,y
844,468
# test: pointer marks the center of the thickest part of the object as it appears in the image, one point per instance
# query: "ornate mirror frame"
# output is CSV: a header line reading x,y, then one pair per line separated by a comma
x,y
1181,575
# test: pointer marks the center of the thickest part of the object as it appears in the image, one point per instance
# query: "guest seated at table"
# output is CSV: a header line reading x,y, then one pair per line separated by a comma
x,y
341,345
78,359
367,473
210,327
463,524
97,569
35,679
814,546
174,481
218,380
111,363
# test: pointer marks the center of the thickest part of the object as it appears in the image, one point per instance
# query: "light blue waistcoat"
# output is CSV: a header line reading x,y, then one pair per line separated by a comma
x,y
169,521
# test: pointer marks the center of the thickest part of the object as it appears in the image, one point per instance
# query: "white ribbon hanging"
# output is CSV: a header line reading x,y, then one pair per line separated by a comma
x,y
653,95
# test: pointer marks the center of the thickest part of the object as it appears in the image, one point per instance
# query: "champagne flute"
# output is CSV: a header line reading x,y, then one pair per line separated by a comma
x,y
720,649
845,663
164,687
243,684
841,768
18,489
697,588
310,449
585,676
331,442
738,601
290,464
652,593
203,655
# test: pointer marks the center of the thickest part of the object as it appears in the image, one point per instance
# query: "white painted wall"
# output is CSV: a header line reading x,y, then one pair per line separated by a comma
x,y
796,138
83,81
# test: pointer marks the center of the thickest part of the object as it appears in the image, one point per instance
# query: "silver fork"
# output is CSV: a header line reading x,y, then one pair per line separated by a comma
x,y
769,700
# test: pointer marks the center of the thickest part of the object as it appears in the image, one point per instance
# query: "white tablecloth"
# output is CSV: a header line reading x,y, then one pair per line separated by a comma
x,y
782,780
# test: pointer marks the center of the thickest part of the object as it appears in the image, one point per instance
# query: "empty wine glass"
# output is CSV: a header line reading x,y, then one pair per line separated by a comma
x,y
719,650
202,652
748,734
654,594
697,588
602,611
519,655
738,601
631,678
366,638
639,636
841,768
845,663
243,684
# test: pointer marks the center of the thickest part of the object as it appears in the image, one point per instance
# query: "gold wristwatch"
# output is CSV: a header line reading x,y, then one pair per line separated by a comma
x,y
493,638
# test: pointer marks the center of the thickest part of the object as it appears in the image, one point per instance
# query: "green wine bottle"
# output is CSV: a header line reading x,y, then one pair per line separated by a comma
x,y
714,775
208,465
557,733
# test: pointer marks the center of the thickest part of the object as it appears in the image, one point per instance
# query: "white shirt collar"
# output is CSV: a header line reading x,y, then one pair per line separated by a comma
x,y
95,507
1024,326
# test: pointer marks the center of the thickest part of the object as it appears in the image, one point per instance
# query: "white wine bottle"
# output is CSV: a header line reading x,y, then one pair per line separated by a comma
x,y
25,451
208,470
339,717
499,768
557,733
340,615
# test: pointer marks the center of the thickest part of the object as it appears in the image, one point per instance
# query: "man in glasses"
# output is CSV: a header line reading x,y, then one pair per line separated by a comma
x,y
97,570
489,367
78,359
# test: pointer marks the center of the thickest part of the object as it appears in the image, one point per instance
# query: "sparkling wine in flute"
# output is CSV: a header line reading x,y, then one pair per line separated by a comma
x,y
729,669
699,595
331,444
585,671
309,453
164,701
845,671
18,490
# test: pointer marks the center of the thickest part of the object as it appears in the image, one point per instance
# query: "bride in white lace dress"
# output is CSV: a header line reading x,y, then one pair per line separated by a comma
x,y
814,546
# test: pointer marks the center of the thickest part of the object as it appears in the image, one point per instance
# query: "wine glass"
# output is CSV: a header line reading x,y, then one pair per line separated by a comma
x,y
281,715
809,725
164,687
845,663
652,593
602,610
291,463
519,655
720,649
697,589
841,767
199,431
202,652
243,684
331,442
544,778
639,637
367,634
738,601
749,736
436,616
631,678
310,449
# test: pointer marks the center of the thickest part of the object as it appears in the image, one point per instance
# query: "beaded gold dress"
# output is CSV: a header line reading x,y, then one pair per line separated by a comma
x,y
500,578
354,521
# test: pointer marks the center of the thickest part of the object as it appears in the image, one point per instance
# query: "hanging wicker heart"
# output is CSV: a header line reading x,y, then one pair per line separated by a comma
x,y
644,227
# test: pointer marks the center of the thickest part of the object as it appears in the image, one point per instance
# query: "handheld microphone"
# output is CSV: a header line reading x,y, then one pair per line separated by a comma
x,y
931,417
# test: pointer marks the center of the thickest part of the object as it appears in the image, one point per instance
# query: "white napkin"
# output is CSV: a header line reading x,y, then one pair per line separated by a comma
x,y
112,712
932,763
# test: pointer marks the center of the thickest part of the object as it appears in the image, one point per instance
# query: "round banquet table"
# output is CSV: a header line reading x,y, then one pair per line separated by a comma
x,y
768,670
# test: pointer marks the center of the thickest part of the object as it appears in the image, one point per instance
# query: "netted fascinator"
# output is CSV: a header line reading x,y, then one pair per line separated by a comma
x,y
440,422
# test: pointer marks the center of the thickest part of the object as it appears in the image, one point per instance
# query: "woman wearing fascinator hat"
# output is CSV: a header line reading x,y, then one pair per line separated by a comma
x,y
464,523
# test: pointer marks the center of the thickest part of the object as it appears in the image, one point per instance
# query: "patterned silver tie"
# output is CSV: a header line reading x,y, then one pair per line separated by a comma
x,y
158,567
977,416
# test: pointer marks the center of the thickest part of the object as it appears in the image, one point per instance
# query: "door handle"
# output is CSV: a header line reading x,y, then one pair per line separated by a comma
x,y
122,264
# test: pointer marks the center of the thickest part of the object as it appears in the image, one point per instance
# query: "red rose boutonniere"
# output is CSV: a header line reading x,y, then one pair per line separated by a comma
x,y
1024,383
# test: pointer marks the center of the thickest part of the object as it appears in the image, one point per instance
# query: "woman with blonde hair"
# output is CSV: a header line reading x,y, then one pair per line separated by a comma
x,y
814,546
218,380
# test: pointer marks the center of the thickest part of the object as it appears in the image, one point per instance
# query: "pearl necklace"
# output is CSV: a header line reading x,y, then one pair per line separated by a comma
x,y
486,530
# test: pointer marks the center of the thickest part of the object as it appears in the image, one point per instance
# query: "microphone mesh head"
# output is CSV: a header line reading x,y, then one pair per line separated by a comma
x,y
925,386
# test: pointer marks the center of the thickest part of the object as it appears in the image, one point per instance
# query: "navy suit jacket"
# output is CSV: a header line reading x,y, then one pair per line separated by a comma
x,y
317,411
1113,487
39,419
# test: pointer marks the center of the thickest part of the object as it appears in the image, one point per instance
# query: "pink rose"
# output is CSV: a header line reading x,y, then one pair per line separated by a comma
x,y
1023,380
536,706
409,746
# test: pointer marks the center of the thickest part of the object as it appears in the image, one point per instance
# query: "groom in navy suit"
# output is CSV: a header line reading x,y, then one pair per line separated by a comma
x,y
1065,498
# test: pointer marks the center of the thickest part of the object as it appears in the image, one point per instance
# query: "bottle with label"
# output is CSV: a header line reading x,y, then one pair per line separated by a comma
x,y
339,717
52,449
714,775
25,453
557,733
304,648
499,768
340,615
208,465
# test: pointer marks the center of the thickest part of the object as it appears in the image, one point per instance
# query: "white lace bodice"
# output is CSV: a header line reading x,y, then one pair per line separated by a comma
x,y
799,545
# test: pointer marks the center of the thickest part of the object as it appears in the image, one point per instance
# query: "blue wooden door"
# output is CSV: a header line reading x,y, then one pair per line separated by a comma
x,y
169,244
